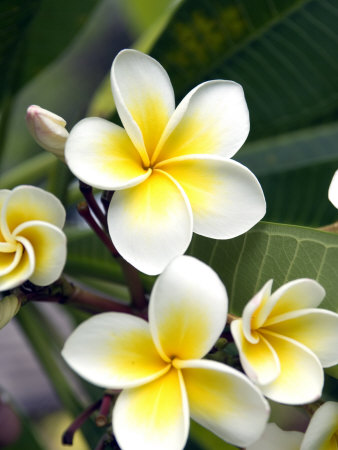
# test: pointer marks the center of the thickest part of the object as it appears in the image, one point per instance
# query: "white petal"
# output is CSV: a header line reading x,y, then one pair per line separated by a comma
x,y
259,360
187,309
144,98
225,401
226,198
274,438
212,119
333,190
101,154
295,295
22,270
317,329
114,350
151,223
27,203
322,429
154,416
254,313
49,245
301,376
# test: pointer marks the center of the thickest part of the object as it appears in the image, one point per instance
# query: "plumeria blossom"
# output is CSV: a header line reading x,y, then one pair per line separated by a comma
x,y
48,130
32,244
333,190
284,341
171,167
321,433
159,367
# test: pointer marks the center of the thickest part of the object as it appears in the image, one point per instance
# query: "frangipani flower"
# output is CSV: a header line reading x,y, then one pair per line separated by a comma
x,y
170,167
321,434
333,190
47,129
159,366
32,244
284,341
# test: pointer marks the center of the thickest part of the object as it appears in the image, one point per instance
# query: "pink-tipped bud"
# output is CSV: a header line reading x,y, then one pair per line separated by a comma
x,y
47,129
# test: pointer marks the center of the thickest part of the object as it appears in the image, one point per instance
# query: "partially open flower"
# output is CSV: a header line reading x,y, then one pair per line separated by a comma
x,y
159,366
9,306
171,167
47,129
284,341
32,244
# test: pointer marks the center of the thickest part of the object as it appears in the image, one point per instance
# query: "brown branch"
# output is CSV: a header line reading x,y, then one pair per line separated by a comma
x,y
332,228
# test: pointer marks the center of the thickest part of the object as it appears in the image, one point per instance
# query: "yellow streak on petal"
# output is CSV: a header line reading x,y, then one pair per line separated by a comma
x,y
180,336
154,408
191,136
8,261
118,156
151,115
19,274
130,356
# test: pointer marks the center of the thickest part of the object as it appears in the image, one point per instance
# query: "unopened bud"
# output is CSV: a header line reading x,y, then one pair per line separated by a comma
x,y
47,129
9,306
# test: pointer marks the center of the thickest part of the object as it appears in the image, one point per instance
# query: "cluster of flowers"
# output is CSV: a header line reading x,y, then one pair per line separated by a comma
x,y
172,173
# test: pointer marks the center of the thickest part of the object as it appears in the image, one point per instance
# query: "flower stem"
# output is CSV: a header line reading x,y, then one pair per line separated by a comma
x,y
231,318
87,192
102,419
131,274
68,435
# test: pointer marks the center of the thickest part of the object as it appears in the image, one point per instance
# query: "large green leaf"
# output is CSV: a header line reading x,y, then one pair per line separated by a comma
x,y
283,52
276,251
39,30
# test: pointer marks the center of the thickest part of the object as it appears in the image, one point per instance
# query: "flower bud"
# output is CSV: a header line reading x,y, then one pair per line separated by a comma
x,y
47,129
9,306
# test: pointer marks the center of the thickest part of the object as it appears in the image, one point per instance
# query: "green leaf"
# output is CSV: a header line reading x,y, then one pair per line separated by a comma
x,y
40,29
276,251
284,54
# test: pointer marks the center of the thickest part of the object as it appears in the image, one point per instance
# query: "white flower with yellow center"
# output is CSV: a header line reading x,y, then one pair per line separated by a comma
x,y
170,167
159,366
284,341
32,244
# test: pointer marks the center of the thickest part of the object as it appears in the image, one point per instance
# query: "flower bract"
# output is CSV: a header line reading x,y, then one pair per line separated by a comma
x,y
32,244
170,168
284,341
159,366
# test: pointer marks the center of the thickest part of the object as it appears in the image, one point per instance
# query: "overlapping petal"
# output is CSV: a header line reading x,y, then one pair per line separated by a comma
x,y
255,312
26,203
317,329
212,119
224,401
297,294
49,246
144,98
259,360
187,309
23,268
301,375
154,416
114,350
274,438
322,432
9,260
219,191
102,155
151,223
